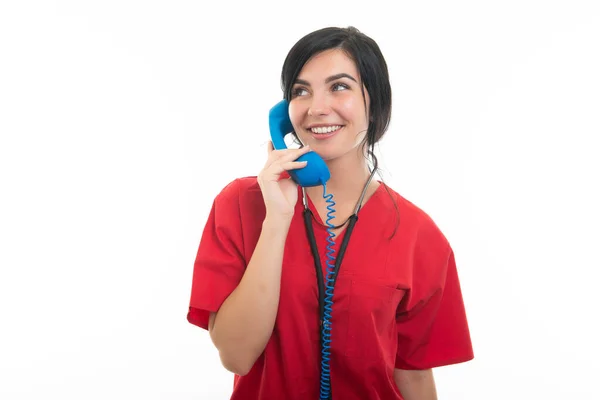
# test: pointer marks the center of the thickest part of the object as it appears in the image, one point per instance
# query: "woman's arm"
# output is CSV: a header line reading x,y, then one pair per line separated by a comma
x,y
416,384
243,325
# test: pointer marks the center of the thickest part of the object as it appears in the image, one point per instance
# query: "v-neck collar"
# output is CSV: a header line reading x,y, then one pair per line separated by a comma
x,y
317,216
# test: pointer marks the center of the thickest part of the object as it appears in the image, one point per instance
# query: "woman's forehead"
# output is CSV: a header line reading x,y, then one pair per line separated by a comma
x,y
326,64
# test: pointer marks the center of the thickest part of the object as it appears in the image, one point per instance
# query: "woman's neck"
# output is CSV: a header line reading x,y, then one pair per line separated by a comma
x,y
349,174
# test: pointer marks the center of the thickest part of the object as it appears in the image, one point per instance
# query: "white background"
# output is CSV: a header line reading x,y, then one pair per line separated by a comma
x,y
121,120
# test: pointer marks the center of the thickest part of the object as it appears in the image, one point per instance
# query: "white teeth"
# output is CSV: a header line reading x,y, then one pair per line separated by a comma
x,y
325,129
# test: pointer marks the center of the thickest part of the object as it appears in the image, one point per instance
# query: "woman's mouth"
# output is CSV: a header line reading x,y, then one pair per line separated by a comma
x,y
325,132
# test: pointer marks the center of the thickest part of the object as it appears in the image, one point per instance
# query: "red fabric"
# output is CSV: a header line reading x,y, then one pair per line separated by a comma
x,y
397,302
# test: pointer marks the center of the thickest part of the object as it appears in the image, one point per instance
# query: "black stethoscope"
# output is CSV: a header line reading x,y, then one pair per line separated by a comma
x,y
326,297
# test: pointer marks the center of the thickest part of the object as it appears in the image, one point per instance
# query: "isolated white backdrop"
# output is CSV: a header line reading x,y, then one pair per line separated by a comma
x,y
121,120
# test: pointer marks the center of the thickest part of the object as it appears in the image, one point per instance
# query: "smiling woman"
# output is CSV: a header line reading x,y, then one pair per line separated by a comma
x,y
397,310
326,103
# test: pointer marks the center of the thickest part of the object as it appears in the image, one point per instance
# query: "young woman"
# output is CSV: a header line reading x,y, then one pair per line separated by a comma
x,y
258,286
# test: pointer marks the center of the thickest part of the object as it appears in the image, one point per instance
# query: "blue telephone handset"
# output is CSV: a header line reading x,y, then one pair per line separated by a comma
x,y
315,173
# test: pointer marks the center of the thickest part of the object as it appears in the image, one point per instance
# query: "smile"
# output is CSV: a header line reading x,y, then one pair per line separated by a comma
x,y
325,133
325,129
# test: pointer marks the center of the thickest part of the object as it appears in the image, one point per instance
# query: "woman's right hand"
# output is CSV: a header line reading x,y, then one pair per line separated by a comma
x,y
280,195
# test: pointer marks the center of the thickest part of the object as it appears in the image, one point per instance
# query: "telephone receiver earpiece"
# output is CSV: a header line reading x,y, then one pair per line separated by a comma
x,y
315,173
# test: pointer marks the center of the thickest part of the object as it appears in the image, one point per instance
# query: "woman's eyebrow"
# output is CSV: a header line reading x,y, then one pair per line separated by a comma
x,y
329,79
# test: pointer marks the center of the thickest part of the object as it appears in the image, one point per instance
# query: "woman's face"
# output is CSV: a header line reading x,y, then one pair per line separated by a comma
x,y
327,108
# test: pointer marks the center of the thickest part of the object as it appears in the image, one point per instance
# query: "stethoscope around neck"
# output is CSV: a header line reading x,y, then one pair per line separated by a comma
x,y
326,286
356,208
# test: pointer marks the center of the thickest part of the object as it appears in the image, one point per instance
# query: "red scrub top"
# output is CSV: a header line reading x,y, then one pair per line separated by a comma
x,y
397,299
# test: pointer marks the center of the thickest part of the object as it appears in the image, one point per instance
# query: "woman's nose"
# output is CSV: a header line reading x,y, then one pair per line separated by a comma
x,y
319,106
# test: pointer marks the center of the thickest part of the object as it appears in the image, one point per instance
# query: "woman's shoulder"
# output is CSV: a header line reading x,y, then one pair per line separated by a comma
x,y
241,183
407,208
414,218
241,191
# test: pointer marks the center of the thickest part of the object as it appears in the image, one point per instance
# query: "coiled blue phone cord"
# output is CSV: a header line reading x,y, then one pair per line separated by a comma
x,y
326,286
329,285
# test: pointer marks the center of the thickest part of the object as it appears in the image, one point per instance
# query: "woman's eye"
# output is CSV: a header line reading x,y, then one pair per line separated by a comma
x,y
298,92
339,86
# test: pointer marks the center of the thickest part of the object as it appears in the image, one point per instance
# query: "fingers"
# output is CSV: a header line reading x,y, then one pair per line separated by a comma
x,y
286,155
282,160
274,171
293,165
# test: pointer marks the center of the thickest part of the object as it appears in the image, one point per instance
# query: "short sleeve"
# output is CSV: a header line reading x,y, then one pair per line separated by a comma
x,y
220,263
434,331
